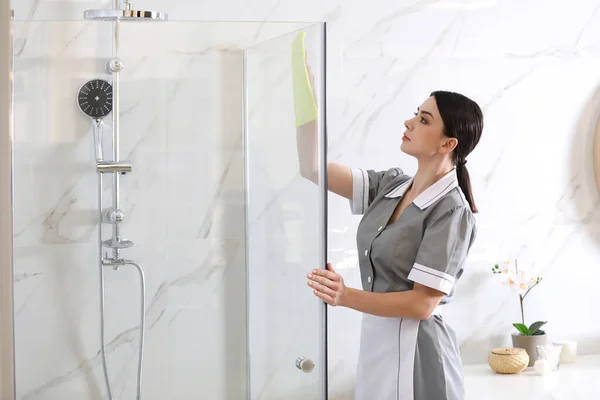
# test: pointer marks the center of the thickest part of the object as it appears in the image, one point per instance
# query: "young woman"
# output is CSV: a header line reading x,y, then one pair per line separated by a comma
x,y
413,240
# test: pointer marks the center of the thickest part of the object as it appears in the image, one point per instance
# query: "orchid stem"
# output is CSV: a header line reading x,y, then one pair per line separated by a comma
x,y
521,298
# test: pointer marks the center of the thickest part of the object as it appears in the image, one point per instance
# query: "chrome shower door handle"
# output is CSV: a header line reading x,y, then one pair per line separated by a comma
x,y
305,365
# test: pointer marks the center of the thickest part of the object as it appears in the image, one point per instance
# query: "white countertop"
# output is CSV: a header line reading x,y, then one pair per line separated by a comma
x,y
578,381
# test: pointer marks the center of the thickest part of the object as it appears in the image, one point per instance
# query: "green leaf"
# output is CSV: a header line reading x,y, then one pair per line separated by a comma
x,y
539,333
522,328
536,326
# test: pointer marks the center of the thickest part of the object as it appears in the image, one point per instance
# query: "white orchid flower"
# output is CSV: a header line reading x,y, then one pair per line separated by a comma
x,y
520,282
508,266
514,282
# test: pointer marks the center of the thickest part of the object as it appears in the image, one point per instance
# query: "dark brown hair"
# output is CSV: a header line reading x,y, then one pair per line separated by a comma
x,y
463,120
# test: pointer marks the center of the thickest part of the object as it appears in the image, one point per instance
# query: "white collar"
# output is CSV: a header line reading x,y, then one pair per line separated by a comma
x,y
431,194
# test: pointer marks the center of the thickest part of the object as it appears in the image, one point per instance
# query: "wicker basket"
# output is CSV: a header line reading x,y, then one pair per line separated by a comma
x,y
508,360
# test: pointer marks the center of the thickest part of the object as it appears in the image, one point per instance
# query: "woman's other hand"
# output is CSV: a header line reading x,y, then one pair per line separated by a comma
x,y
328,285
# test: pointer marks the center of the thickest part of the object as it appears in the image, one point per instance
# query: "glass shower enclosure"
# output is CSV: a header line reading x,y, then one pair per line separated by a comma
x,y
211,206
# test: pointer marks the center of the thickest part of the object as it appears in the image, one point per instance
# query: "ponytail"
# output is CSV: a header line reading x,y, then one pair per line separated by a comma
x,y
464,181
463,120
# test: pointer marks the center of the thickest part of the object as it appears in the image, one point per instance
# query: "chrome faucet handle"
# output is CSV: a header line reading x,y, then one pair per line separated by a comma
x,y
305,365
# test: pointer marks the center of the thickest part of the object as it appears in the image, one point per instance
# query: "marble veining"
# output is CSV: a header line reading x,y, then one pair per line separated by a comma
x,y
531,176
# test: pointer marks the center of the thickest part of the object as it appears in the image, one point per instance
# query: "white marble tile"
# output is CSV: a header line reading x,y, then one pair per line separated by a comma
x,y
523,205
531,173
167,216
526,209
561,254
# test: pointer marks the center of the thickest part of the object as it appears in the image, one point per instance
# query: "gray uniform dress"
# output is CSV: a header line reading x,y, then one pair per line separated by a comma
x,y
404,358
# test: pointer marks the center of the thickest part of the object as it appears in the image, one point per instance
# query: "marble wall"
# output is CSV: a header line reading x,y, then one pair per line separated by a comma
x,y
533,66
181,126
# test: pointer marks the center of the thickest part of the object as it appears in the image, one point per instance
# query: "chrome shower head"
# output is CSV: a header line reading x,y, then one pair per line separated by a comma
x,y
95,100
126,14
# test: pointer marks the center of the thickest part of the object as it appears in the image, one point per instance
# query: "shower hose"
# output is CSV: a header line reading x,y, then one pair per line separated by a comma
x,y
116,263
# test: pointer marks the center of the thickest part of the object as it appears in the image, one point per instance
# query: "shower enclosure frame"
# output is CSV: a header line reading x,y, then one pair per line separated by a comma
x,y
7,356
7,339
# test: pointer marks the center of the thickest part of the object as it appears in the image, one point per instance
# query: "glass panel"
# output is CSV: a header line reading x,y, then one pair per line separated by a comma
x,y
180,107
7,386
286,234
55,220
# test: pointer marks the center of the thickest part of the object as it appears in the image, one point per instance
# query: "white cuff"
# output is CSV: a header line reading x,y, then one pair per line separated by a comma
x,y
360,191
431,278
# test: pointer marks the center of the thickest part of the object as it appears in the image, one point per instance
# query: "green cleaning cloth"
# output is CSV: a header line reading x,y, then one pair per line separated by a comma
x,y
305,106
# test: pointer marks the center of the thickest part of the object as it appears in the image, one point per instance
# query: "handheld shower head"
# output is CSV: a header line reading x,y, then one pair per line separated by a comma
x,y
95,101
95,98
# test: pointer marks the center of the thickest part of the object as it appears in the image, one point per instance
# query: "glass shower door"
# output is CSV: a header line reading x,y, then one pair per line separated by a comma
x,y
286,226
